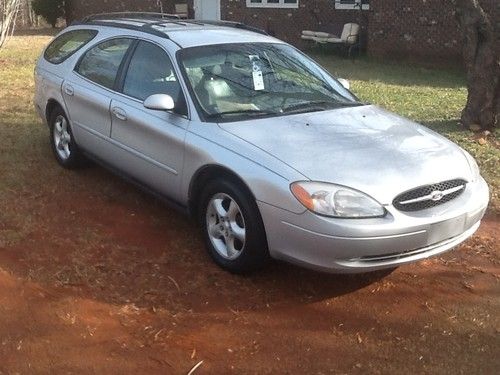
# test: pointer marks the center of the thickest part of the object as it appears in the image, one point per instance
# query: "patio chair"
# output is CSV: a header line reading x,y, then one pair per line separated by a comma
x,y
181,10
315,35
349,38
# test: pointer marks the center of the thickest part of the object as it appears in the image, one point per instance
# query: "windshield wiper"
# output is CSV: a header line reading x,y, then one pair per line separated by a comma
x,y
258,112
320,105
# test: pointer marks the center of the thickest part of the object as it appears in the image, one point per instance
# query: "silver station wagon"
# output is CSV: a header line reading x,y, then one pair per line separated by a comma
x,y
274,156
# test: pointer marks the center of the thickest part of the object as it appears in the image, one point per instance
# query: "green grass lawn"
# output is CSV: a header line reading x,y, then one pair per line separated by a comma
x,y
433,97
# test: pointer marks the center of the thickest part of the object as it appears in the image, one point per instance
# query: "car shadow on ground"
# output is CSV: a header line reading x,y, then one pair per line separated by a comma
x,y
447,126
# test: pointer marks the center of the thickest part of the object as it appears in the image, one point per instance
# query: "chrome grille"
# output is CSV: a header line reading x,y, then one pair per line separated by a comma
x,y
430,195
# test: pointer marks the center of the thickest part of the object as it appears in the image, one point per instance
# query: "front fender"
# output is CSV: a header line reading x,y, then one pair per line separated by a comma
x,y
267,178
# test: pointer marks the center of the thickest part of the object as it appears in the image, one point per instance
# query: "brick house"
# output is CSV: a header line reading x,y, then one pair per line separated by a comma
x,y
416,29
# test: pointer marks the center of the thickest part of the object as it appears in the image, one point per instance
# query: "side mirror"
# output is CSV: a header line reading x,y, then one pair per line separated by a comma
x,y
160,102
345,83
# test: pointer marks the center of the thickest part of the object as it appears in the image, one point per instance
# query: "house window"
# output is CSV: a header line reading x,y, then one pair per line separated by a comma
x,y
273,3
352,4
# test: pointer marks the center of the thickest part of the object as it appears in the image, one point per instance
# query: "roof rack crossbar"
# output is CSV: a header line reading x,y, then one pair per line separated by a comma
x,y
236,25
139,15
165,22
144,28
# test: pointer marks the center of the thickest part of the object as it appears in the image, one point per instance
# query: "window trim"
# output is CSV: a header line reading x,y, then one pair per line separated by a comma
x,y
121,77
265,4
124,67
122,71
354,6
93,31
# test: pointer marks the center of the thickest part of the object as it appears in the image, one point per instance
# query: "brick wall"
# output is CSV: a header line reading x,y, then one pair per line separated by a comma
x,y
287,24
416,29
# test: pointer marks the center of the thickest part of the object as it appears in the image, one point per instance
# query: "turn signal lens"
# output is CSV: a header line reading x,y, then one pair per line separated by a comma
x,y
303,196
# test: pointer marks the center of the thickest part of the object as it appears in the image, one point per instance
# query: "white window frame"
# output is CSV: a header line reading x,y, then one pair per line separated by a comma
x,y
265,4
354,5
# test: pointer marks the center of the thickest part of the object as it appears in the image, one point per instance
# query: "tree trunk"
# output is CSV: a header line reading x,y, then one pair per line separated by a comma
x,y
8,13
68,12
482,62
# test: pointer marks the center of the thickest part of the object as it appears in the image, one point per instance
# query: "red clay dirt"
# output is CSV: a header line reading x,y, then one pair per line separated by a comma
x,y
96,277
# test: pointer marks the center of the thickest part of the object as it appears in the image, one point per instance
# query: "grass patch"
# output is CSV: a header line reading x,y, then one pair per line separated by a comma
x,y
434,97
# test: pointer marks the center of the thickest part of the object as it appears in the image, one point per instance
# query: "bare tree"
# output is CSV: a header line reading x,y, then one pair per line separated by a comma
x,y
481,51
27,15
8,14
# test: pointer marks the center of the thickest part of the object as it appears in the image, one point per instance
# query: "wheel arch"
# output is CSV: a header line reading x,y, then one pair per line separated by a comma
x,y
206,174
49,108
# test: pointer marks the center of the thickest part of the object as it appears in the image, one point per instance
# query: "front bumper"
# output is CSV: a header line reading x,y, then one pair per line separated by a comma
x,y
363,245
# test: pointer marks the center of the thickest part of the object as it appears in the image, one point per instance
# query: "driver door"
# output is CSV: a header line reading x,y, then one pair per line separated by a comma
x,y
150,143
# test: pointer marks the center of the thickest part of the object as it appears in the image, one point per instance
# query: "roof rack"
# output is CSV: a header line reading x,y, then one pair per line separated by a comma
x,y
139,15
106,19
155,19
146,28
236,25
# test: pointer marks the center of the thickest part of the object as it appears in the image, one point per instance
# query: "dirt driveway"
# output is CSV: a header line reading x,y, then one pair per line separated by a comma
x,y
97,277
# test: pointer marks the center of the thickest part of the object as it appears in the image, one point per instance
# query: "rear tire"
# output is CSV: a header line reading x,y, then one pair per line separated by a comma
x,y
232,227
64,147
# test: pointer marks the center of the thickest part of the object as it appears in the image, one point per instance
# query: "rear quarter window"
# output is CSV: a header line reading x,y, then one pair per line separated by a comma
x,y
67,44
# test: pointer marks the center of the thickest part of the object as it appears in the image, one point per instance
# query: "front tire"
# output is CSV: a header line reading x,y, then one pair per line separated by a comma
x,y
62,141
232,226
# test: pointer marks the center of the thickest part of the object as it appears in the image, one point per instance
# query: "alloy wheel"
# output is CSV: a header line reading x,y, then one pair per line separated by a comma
x,y
226,226
62,137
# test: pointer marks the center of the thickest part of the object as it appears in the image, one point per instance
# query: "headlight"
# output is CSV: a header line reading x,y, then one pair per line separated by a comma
x,y
474,168
336,201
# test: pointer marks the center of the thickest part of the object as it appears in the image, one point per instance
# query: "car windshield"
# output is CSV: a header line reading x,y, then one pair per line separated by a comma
x,y
236,81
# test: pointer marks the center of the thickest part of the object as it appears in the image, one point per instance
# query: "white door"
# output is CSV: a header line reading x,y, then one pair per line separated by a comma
x,y
208,10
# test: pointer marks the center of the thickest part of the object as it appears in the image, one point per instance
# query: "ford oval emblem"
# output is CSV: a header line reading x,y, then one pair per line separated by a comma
x,y
437,196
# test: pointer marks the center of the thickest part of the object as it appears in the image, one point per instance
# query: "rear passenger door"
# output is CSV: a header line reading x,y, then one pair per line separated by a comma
x,y
151,142
88,91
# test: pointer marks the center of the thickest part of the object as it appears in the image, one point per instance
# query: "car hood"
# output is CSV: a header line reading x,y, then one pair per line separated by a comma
x,y
364,147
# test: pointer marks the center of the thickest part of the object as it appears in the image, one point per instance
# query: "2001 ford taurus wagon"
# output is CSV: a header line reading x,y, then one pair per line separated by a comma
x,y
273,155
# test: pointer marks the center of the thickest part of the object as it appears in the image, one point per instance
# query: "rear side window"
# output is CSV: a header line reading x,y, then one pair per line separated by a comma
x,y
100,64
67,44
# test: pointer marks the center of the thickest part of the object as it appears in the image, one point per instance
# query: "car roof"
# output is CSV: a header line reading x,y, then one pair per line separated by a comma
x,y
185,33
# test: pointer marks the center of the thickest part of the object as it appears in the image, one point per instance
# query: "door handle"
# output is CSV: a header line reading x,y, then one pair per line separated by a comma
x,y
68,89
119,113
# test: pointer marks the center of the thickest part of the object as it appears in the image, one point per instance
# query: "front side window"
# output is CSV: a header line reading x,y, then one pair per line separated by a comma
x,y
151,72
67,44
233,81
100,64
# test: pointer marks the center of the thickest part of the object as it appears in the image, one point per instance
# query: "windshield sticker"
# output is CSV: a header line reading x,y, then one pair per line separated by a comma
x,y
258,80
258,77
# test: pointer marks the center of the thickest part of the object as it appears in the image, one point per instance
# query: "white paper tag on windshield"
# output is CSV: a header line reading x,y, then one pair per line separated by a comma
x,y
258,80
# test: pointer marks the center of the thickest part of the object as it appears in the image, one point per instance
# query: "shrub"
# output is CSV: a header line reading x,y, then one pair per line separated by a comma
x,y
50,10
